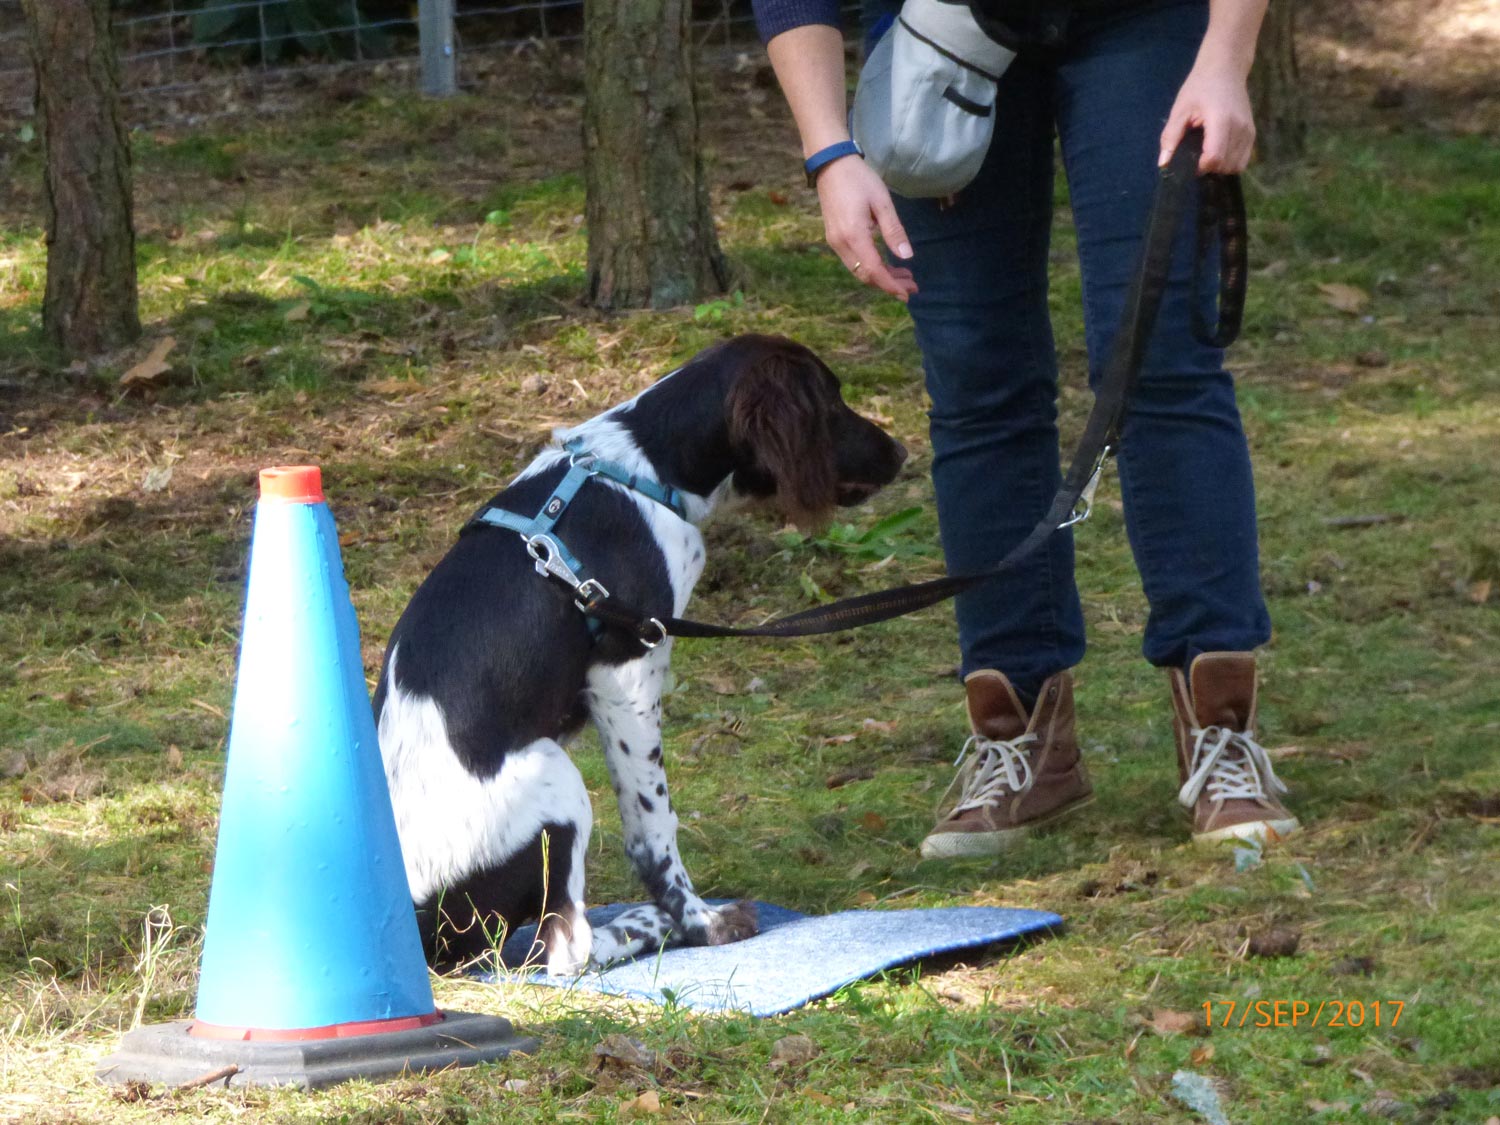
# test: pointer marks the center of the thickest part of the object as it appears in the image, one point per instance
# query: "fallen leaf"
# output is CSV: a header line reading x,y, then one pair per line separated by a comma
x,y
134,1090
649,1102
958,1111
157,479
1276,942
150,370
836,739
779,198
818,1096
792,1050
392,386
877,724
872,822
1199,1094
621,1050
298,311
1166,1021
721,685
1346,298
1384,1104
1200,1055
844,777
865,898
1322,1055
1479,592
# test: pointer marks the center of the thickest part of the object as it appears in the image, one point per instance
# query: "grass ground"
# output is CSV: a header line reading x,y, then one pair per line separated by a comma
x,y
389,287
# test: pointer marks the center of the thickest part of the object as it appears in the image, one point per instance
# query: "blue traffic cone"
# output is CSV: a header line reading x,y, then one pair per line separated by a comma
x,y
310,923
311,934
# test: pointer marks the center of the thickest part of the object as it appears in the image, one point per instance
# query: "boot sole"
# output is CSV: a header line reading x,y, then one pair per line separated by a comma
x,y
1260,831
970,845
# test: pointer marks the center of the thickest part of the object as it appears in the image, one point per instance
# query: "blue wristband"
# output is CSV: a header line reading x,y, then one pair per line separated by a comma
x,y
826,156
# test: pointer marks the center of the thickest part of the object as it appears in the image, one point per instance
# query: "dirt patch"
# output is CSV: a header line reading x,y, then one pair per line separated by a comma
x,y
1424,63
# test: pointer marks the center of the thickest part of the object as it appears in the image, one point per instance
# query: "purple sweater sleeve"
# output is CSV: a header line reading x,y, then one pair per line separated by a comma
x,y
772,17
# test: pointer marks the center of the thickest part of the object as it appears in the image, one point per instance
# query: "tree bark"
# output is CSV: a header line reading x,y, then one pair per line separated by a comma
x,y
651,233
91,302
1275,89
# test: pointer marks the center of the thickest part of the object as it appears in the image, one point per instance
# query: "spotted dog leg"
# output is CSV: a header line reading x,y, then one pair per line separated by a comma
x,y
631,933
625,703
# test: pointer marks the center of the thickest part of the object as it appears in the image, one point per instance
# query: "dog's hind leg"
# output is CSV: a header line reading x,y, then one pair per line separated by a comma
x,y
476,847
625,702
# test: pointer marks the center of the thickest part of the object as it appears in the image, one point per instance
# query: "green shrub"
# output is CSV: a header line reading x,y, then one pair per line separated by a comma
x,y
272,30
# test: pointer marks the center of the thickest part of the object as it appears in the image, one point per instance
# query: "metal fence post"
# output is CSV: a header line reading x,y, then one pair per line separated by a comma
x,y
439,60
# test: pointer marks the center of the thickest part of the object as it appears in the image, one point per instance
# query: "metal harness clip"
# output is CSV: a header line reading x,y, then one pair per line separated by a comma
x,y
1085,505
549,560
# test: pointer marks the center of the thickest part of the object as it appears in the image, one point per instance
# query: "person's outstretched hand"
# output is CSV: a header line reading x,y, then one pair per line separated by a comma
x,y
1215,99
855,205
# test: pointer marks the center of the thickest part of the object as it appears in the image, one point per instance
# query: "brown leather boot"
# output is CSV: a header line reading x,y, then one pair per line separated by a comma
x,y
1023,771
1227,780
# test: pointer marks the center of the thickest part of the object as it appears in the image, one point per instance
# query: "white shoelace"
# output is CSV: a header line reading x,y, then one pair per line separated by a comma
x,y
1230,764
999,769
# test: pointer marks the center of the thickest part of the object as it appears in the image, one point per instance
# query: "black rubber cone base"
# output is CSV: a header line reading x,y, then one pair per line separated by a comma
x,y
167,1053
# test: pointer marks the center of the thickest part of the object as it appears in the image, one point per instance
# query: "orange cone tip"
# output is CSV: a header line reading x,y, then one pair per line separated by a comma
x,y
293,484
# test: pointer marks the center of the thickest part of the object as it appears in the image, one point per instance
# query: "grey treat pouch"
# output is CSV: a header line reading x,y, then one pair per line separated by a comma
x,y
924,110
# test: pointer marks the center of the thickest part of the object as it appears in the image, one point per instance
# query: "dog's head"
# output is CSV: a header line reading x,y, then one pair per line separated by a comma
x,y
793,439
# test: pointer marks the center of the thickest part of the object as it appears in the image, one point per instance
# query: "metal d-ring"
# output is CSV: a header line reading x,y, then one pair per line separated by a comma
x,y
661,634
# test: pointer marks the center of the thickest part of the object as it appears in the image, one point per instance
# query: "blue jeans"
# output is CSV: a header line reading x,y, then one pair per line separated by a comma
x,y
986,340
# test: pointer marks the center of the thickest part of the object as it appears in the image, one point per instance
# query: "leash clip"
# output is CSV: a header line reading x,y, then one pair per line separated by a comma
x,y
550,562
1085,505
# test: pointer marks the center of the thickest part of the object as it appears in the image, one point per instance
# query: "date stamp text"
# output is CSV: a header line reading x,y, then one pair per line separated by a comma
x,y
1302,1013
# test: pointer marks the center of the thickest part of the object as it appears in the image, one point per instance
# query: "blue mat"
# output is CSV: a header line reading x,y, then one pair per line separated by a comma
x,y
794,959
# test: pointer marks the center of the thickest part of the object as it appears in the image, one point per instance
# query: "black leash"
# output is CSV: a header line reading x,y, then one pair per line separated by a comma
x,y
1221,214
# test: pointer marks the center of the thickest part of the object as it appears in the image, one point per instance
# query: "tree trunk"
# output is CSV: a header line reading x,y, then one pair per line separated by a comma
x,y
91,302
1275,90
651,233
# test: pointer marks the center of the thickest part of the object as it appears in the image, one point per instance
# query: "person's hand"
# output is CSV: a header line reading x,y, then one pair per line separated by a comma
x,y
855,205
1215,98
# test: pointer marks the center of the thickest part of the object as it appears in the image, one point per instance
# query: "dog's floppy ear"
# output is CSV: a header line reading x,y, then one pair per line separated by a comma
x,y
778,413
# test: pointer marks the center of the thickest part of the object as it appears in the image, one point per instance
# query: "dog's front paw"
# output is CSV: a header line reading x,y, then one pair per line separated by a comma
x,y
734,921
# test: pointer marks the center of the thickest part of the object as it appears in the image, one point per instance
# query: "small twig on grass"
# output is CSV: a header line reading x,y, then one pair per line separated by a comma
x,y
1372,520
224,1072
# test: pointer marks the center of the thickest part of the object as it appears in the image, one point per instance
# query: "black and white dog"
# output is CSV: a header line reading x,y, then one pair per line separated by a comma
x,y
492,668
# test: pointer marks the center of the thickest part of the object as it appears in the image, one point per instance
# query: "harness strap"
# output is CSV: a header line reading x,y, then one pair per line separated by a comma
x,y
1101,435
551,554
663,494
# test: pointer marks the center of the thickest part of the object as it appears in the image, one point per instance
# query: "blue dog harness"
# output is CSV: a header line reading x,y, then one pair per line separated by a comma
x,y
552,557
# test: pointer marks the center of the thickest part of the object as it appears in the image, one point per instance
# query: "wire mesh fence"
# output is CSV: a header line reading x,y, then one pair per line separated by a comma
x,y
185,60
